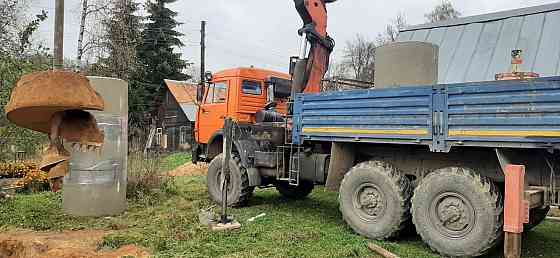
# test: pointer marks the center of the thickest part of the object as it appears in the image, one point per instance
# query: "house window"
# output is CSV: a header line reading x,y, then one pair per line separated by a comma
x,y
251,87
217,93
159,134
183,135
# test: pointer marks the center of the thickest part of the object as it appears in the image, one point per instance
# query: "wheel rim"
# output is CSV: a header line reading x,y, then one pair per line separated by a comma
x,y
452,215
369,202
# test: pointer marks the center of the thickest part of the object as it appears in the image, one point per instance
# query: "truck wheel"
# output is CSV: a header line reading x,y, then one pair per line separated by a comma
x,y
457,212
295,192
239,190
536,216
374,199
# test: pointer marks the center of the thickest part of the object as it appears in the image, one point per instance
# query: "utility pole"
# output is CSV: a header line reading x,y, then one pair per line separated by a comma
x,y
202,51
59,35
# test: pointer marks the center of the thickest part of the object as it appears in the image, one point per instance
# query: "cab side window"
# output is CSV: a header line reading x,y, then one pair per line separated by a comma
x,y
217,93
251,87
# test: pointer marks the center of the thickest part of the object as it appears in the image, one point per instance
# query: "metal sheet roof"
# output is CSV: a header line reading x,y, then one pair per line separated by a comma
x,y
190,111
476,48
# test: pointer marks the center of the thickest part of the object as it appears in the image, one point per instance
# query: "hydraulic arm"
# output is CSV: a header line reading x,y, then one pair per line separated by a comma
x,y
311,66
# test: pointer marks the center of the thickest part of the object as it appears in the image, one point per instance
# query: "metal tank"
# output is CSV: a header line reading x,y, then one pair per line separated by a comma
x,y
96,184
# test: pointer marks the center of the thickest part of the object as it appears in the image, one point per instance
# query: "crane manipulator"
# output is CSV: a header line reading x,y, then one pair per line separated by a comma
x,y
310,67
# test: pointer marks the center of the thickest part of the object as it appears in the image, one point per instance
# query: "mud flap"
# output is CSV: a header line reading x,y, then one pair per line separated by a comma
x,y
254,177
342,159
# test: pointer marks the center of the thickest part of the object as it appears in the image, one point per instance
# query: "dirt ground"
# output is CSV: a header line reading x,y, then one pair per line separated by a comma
x,y
68,244
190,169
554,212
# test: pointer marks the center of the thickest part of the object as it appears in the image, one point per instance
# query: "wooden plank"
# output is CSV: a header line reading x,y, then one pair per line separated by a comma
x,y
381,251
512,245
535,198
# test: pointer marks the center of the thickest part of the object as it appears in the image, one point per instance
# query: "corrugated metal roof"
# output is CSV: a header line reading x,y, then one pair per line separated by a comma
x,y
183,92
190,111
476,48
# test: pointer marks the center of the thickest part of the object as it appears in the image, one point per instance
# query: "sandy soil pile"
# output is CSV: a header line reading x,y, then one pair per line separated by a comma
x,y
190,169
68,244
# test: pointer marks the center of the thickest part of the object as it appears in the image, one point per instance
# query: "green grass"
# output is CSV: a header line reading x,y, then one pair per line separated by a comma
x,y
175,160
170,228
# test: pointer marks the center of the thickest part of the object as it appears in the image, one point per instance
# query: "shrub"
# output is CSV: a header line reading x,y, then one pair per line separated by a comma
x,y
15,170
146,179
32,179
35,181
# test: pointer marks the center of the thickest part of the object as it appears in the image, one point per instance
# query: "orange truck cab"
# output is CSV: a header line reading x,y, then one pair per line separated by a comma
x,y
238,93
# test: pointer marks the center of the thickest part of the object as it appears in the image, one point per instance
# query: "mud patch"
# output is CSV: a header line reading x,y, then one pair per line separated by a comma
x,y
190,169
67,244
554,212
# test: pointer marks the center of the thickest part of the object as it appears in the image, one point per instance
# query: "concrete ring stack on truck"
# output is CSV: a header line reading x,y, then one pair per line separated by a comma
x,y
436,155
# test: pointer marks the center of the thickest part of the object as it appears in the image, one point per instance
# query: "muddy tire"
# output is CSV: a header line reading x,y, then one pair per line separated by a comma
x,y
457,212
239,190
295,192
374,199
536,216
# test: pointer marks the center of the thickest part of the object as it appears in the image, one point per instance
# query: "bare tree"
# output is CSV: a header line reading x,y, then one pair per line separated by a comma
x,y
93,11
336,70
392,30
121,36
360,58
442,12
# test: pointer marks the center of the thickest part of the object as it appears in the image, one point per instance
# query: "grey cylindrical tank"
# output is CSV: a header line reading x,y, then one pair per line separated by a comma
x,y
96,185
406,64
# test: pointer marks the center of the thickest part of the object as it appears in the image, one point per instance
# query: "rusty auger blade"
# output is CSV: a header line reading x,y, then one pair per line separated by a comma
x,y
56,103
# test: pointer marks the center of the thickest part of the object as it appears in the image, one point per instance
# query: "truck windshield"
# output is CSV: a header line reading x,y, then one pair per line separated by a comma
x,y
217,93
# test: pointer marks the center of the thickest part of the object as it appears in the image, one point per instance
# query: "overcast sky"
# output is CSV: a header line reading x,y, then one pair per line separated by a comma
x,y
263,33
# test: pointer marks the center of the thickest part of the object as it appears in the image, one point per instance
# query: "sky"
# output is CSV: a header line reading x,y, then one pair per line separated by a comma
x,y
263,33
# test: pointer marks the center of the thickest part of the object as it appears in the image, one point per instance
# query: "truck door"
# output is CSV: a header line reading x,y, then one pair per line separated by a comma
x,y
212,112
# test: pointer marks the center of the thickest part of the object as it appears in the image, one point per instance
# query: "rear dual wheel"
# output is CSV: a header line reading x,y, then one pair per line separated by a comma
x,y
457,212
374,199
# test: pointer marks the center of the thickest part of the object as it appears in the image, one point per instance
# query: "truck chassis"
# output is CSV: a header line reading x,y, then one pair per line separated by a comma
x,y
431,155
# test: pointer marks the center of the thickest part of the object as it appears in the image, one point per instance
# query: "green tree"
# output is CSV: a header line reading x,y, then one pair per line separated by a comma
x,y
156,54
18,57
442,12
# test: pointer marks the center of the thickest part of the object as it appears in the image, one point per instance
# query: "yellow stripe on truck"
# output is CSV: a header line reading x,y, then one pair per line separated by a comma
x,y
366,131
504,133
463,133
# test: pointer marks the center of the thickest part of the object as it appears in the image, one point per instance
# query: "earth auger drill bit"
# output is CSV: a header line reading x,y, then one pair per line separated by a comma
x,y
55,103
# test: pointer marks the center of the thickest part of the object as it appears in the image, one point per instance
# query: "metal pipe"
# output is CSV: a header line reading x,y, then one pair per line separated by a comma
x,y
303,46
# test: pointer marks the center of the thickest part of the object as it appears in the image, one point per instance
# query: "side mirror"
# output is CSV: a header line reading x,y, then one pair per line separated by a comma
x,y
200,92
208,76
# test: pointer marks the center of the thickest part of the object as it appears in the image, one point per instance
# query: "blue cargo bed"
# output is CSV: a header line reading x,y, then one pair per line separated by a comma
x,y
517,114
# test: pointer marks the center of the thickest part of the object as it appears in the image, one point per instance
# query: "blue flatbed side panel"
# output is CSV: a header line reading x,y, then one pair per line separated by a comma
x,y
524,114
519,114
389,115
